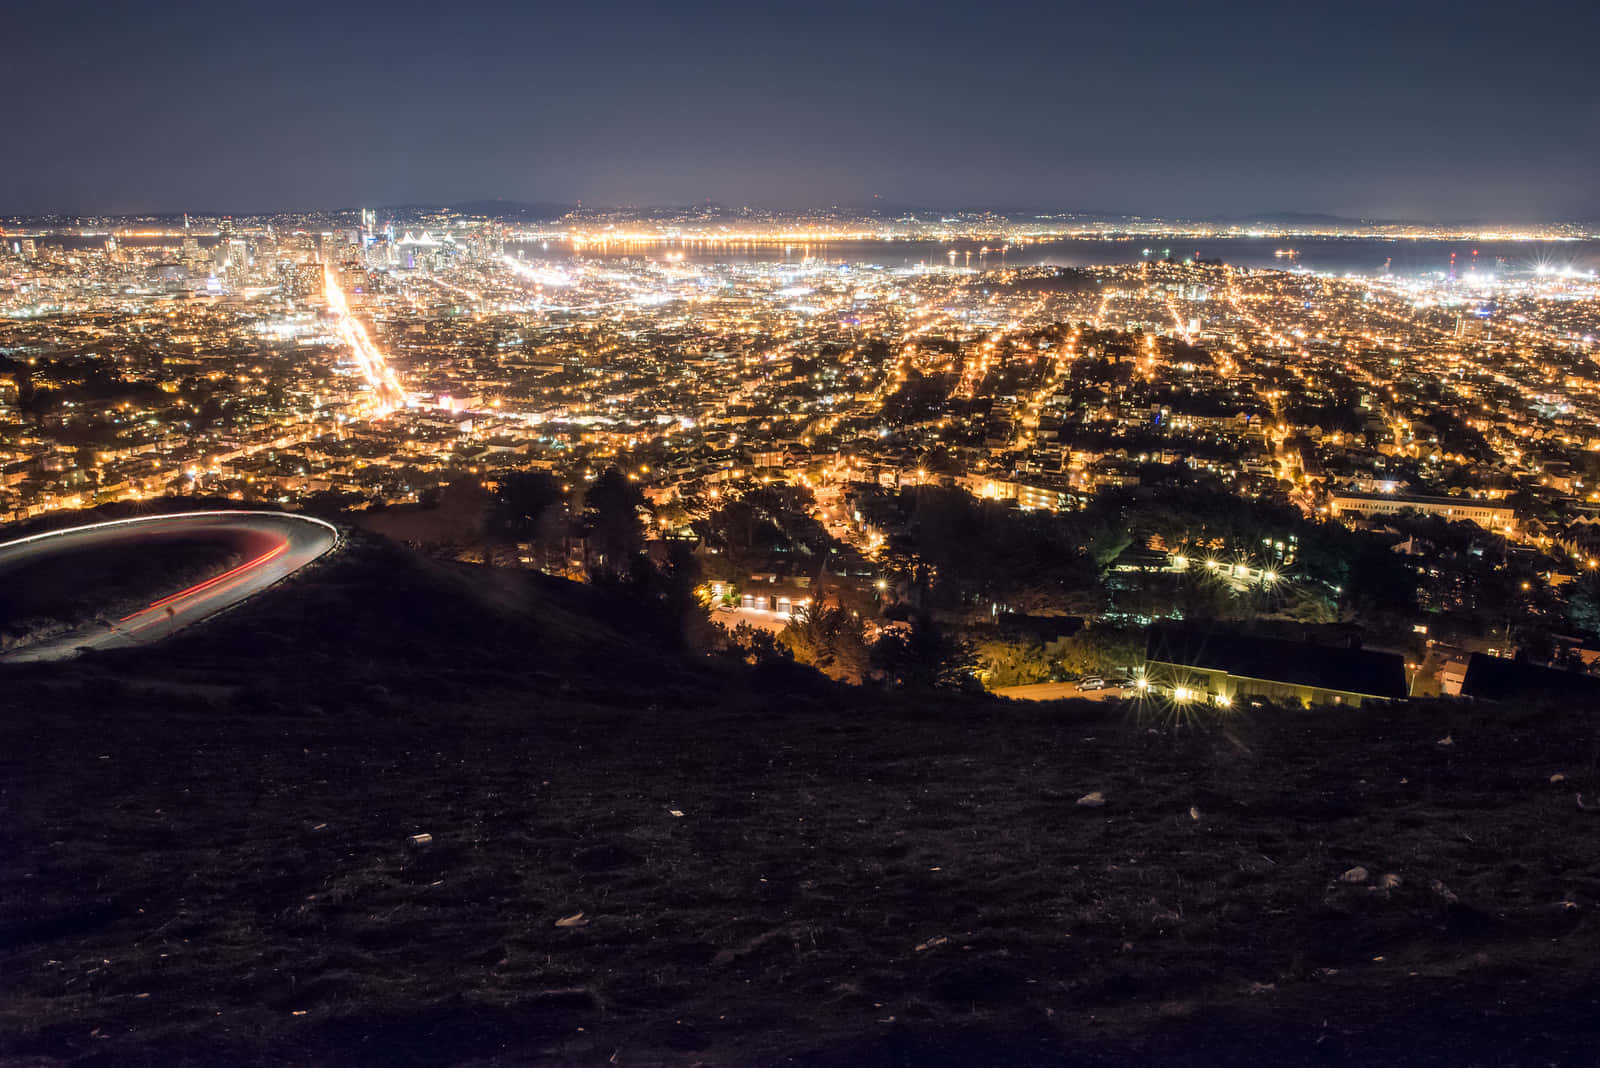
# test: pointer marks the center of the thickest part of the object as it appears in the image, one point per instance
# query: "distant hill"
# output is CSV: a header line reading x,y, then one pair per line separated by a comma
x,y
494,209
1305,218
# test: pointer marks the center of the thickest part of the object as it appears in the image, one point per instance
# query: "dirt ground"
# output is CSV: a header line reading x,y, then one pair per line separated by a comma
x,y
632,861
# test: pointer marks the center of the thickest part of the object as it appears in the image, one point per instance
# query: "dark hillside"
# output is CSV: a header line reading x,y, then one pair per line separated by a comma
x,y
210,854
61,592
379,615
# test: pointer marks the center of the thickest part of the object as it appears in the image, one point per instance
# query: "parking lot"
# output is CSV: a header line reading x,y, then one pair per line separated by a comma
x,y
1059,691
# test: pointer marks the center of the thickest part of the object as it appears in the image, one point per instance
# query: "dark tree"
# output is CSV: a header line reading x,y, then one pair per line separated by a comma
x,y
1583,605
521,503
614,534
926,658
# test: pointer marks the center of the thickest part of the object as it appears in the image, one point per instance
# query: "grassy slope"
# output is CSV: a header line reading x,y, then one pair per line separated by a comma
x,y
205,853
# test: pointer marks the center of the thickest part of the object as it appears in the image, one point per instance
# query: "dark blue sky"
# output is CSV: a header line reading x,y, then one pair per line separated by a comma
x,y
1421,110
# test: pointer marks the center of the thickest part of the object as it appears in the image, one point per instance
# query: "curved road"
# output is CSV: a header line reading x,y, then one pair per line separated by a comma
x,y
279,544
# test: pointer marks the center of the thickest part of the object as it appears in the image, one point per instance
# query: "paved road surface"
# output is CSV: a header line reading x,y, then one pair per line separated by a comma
x,y
277,545
1060,691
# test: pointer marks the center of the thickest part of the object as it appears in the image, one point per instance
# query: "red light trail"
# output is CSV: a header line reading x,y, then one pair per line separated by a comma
x,y
200,587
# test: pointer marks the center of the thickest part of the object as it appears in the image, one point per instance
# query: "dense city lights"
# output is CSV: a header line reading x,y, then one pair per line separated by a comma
x,y
300,355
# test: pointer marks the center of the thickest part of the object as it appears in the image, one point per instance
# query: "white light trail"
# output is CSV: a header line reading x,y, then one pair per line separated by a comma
x,y
104,524
374,367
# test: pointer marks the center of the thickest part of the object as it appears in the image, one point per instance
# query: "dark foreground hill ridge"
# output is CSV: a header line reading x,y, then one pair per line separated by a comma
x,y
211,854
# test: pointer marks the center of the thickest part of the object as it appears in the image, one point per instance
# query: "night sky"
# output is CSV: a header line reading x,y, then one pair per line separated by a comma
x,y
1464,110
